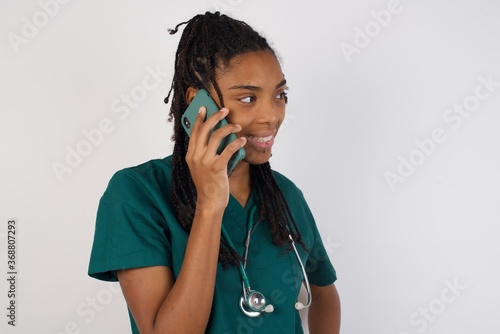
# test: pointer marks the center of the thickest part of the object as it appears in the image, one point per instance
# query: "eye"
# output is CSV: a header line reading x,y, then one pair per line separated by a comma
x,y
247,99
282,96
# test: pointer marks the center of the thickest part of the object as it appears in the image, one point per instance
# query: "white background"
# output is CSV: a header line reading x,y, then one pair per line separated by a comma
x,y
352,119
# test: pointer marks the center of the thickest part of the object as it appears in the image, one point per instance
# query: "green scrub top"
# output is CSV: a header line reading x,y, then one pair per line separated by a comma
x,y
136,227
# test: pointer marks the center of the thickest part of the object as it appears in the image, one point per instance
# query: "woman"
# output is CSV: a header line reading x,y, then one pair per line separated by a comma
x,y
158,229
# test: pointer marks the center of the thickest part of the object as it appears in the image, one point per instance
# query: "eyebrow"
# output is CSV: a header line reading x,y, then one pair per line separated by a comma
x,y
256,88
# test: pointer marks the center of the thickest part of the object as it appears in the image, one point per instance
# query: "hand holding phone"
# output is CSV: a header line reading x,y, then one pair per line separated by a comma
x,y
203,98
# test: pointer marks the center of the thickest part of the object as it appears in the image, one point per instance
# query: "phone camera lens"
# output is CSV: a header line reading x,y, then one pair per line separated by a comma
x,y
187,124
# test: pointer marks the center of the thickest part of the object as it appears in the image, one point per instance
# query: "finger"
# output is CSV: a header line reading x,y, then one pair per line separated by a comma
x,y
198,122
220,134
221,162
230,149
200,134
194,136
210,123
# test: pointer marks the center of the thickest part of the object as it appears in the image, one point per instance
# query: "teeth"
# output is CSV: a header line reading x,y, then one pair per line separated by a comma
x,y
262,139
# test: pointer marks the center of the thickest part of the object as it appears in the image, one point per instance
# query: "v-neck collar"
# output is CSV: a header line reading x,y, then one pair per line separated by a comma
x,y
239,214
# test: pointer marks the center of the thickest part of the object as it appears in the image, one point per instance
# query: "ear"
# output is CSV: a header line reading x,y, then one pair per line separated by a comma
x,y
190,94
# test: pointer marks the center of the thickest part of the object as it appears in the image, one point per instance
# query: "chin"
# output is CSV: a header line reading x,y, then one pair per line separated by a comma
x,y
257,158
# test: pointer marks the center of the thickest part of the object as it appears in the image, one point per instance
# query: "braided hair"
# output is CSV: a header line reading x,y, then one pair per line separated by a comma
x,y
208,43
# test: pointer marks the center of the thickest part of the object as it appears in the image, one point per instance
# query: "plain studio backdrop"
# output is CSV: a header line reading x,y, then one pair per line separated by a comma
x,y
392,133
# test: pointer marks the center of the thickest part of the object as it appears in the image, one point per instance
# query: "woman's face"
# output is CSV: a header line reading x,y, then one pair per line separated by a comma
x,y
253,88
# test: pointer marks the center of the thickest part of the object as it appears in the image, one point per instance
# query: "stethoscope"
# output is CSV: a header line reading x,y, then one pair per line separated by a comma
x,y
252,302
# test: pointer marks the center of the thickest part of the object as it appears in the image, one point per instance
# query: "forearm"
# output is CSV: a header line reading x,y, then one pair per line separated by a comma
x,y
190,300
324,312
161,304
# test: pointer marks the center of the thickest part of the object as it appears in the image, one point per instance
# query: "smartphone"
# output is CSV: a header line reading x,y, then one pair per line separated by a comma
x,y
203,98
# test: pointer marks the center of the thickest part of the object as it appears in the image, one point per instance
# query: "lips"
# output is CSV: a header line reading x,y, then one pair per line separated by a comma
x,y
262,139
261,142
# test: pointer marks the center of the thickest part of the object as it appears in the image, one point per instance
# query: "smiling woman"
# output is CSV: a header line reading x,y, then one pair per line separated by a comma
x,y
159,224
253,87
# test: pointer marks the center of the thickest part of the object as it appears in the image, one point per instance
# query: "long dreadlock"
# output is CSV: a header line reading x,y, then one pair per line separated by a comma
x,y
208,43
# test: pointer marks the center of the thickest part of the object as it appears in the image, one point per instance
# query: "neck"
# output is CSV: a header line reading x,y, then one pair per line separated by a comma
x,y
239,183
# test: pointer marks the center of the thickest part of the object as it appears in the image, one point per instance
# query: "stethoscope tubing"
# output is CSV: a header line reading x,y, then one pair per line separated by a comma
x,y
305,280
242,265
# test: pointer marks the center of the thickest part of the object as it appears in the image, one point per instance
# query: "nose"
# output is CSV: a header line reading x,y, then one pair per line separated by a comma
x,y
271,113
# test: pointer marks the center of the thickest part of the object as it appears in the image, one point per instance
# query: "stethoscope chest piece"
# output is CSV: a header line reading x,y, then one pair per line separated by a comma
x,y
253,305
252,302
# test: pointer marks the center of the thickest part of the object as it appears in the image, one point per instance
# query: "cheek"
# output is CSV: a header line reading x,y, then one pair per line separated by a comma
x,y
281,115
243,120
